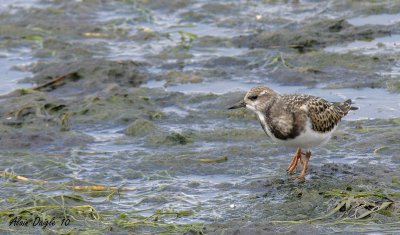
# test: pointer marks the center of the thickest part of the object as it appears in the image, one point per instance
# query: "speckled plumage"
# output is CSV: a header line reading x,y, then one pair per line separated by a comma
x,y
296,120
324,115
285,117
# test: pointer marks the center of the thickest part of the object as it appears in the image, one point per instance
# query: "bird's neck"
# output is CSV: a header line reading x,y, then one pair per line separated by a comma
x,y
269,104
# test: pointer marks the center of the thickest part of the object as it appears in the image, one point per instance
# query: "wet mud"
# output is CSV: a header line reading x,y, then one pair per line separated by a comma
x,y
128,100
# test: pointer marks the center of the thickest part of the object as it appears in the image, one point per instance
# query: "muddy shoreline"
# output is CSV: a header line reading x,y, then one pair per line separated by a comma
x,y
113,95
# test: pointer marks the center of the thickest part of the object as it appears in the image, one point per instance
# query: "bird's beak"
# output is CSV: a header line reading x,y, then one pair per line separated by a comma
x,y
240,104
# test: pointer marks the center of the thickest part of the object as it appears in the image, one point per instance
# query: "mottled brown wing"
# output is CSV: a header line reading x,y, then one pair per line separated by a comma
x,y
325,115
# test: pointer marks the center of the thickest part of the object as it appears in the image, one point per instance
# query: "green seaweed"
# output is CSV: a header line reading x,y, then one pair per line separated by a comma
x,y
140,127
178,138
178,77
45,129
216,160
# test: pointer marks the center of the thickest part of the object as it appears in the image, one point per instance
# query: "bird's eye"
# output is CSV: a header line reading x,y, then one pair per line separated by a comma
x,y
253,97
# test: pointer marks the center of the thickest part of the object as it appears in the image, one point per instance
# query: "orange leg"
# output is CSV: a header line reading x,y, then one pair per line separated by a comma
x,y
301,159
305,166
296,158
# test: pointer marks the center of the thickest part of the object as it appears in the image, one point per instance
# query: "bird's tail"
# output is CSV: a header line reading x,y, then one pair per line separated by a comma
x,y
345,106
349,102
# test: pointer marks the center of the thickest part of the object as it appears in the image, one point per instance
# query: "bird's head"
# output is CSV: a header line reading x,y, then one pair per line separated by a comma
x,y
257,99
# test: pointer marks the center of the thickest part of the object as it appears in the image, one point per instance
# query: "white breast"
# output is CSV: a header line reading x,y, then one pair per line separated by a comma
x,y
306,140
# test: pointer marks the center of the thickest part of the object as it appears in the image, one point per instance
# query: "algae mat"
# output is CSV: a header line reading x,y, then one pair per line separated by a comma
x,y
113,117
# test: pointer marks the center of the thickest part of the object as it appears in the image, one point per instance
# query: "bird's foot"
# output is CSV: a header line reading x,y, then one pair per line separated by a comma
x,y
299,178
302,175
293,164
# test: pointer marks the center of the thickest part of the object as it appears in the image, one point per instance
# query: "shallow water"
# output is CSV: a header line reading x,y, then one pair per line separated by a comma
x,y
11,5
382,19
169,171
373,103
389,44
10,77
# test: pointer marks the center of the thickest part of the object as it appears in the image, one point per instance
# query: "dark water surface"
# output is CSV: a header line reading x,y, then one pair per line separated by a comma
x,y
144,107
